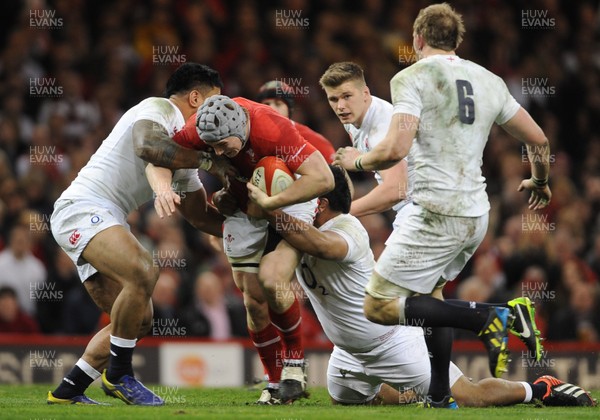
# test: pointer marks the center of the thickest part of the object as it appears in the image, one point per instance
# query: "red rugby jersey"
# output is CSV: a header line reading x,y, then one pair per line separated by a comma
x,y
319,141
271,134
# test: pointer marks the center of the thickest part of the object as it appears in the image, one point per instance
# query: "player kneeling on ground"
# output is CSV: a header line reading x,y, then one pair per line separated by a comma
x,y
372,363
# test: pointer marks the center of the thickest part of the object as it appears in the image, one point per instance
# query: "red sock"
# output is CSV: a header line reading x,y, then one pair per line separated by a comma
x,y
289,325
270,350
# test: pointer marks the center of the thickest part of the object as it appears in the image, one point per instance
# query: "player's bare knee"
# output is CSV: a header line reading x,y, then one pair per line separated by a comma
x,y
374,310
251,304
376,316
369,308
269,282
468,393
145,274
275,276
257,310
103,291
253,296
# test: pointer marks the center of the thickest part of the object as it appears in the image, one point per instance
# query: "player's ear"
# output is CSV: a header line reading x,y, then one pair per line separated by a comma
x,y
323,204
418,42
195,98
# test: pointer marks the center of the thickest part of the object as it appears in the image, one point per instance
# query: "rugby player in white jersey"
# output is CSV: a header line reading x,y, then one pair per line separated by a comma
x,y
366,118
89,223
447,105
371,363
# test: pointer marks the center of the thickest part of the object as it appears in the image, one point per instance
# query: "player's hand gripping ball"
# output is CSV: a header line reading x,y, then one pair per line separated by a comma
x,y
271,175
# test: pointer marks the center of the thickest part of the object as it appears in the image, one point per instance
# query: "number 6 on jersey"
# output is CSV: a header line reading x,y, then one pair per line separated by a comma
x,y
466,105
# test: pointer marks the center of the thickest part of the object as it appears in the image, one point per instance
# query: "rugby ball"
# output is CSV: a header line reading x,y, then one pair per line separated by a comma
x,y
272,175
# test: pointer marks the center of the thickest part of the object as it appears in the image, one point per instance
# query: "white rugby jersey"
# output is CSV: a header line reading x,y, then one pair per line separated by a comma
x,y
372,131
336,290
115,173
457,102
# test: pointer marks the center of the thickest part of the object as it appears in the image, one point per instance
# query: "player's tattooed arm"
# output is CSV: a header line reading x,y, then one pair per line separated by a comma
x,y
153,144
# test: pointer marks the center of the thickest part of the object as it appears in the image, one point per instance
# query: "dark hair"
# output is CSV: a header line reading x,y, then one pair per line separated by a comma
x,y
276,89
192,76
7,291
340,197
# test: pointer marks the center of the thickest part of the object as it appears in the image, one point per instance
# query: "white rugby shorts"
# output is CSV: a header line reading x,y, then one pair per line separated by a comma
x,y
402,362
428,246
75,222
245,239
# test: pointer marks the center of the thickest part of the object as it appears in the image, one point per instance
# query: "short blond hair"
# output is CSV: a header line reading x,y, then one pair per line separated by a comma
x,y
342,72
440,26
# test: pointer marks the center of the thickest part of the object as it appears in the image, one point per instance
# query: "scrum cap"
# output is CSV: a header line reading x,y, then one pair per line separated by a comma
x,y
220,117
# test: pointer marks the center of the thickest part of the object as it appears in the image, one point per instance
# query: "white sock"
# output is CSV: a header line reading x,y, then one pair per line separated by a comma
x,y
528,392
87,369
123,342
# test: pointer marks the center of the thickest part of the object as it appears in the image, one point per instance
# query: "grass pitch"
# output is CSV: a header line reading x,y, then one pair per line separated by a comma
x,y
29,402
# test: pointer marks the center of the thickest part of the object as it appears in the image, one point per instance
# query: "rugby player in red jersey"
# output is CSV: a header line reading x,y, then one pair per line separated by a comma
x,y
280,97
263,264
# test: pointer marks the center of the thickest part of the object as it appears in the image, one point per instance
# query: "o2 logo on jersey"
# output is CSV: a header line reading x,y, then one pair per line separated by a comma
x,y
310,281
95,219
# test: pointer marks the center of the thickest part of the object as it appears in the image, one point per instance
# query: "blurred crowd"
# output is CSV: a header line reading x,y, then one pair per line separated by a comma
x,y
70,68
